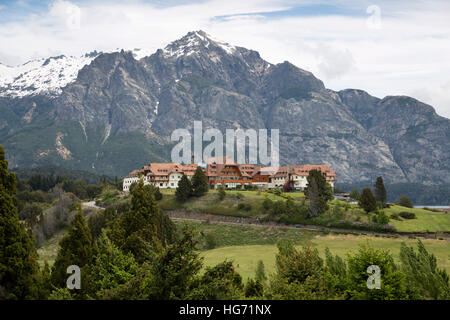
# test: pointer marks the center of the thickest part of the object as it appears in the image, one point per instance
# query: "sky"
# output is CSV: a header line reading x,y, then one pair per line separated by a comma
x,y
383,47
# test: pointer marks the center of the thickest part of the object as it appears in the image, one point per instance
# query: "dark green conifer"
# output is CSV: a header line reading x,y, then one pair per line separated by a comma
x,y
200,184
184,190
75,249
19,271
380,191
368,201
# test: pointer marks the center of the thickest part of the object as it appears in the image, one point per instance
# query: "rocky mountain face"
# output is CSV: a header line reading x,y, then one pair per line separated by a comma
x,y
119,113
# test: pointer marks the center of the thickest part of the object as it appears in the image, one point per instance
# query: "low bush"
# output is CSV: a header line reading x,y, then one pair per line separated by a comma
x,y
431,209
244,206
395,216
407,215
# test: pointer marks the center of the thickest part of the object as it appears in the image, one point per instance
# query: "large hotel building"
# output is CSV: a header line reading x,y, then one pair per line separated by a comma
x,y
229,175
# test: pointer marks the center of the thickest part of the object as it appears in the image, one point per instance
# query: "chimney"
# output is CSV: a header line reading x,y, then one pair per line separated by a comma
x,y
192,159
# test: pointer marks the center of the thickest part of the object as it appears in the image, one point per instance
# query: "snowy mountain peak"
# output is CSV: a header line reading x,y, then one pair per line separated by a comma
x,y
48,76
193,42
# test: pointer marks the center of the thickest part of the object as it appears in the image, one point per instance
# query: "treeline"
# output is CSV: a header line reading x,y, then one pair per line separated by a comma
x,y
89,177
420,194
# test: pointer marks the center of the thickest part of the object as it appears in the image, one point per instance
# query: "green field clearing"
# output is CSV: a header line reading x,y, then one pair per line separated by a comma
x,y
427,221
234,235
246,257
228,207
49,250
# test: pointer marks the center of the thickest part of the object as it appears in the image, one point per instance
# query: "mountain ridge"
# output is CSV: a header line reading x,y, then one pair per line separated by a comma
x,y
118,101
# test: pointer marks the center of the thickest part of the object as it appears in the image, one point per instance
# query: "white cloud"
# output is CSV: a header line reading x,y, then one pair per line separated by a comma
x,y
409,48
66,14
435,95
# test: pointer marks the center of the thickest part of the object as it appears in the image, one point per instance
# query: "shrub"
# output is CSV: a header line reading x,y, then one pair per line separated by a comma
x,y
404,201
267,204
244,206
395,216
355,195
367,201
431,209
158,195
210,241
221,194
381,218
407,215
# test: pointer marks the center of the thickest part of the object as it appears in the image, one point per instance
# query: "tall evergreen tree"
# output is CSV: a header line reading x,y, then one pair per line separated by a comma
x,y
111,267
75,249
423,278
380,191
319,192
200,184
19,271
184,189
367,200
144,223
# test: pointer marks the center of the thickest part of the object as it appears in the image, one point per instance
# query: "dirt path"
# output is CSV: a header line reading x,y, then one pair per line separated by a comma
x,y
182,215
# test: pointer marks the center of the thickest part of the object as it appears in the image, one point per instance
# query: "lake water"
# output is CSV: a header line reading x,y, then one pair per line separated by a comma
x,y
433,207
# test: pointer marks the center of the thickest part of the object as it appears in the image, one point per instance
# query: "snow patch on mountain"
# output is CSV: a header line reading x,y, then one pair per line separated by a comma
x,y
43,76
140,53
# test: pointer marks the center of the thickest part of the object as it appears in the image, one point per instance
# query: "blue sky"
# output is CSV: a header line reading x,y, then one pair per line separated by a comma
x,y
16,10
385,47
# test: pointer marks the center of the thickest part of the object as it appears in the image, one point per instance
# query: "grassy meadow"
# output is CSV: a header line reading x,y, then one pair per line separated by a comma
x,y
245,245
426,221
246,257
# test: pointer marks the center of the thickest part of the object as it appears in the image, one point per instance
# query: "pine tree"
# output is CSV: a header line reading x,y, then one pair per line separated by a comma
x,y
260,274
184,189
111,267
325,190
380,191
312,194
144,223
19,271
200,184
423,278
75,249
318,191
368,201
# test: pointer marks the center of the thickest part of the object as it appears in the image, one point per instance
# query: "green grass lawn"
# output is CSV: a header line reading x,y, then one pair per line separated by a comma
x,y
427,221
246,257
228,207
233,235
